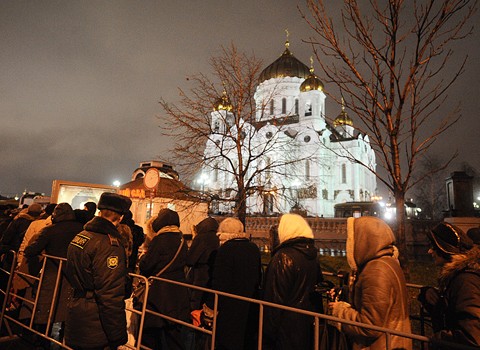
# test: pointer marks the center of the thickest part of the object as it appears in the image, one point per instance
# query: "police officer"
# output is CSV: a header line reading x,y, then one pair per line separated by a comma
x,y
97,269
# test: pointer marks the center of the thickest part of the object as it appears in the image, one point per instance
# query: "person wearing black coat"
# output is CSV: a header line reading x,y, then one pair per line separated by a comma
x,y
455,304
53,240
237,270
138,239
165,239
291,277
200,259
13,235
97,270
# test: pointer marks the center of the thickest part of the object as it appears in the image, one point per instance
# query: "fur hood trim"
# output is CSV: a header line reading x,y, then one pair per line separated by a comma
x,y
224,236
469,261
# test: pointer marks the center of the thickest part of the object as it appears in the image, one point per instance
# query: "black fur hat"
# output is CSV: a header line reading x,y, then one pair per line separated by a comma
x,y
165,217
114,202
449,239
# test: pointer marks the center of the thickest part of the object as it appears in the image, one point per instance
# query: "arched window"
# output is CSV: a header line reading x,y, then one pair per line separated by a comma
x,y
296,106
344,174
215,173
308,109
272,107
307,170
284,105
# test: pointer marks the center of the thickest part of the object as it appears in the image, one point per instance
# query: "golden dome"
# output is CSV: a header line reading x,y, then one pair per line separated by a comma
x,y
312,82
286,65
343,118
223,103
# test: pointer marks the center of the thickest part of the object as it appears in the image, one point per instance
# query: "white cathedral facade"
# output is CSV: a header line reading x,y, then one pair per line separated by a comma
x,y
303,156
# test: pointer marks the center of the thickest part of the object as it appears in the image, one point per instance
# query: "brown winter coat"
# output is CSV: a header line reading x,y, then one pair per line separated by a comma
x,y
378,295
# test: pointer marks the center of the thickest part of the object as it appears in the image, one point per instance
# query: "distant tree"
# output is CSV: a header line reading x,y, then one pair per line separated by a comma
x,y
390,60
430,191
236,148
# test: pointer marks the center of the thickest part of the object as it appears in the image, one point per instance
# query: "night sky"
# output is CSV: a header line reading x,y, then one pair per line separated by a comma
x,y
80,80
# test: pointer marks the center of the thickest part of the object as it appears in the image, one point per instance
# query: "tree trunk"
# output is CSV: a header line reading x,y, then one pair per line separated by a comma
x,y
401,239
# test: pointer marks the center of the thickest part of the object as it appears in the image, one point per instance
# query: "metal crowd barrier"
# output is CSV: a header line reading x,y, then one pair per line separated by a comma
x,y
6,319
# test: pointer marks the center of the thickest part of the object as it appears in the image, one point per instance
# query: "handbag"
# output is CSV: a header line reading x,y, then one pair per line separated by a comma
x,y
138,292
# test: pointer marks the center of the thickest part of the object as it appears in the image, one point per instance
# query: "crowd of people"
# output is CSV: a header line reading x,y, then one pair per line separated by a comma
x,y
101,245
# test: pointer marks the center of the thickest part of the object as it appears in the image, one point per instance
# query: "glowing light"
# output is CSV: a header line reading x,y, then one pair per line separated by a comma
x,y
116,183
388,215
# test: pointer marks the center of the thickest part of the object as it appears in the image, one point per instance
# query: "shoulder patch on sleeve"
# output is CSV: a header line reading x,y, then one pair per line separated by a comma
x,y
80,241
113,241
112,262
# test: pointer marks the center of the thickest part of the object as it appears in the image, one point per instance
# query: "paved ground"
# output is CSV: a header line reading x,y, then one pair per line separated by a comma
x,y
7,343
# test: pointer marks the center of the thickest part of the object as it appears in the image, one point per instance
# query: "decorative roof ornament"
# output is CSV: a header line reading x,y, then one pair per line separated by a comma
x,y
287,65
287,43
343,118
312,82
223,103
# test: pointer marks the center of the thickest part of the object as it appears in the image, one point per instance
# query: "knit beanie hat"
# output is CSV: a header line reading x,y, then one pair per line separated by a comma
x,y
207,225
165,217
293,226
474,235
231,225
34,209
62,212
91,207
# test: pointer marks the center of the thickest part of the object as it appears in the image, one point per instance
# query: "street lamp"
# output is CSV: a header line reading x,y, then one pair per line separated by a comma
x,y
203,180
296,185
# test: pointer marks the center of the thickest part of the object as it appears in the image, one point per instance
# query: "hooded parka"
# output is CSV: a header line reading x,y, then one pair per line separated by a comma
x,y
292,274
200,259
378,293
97,269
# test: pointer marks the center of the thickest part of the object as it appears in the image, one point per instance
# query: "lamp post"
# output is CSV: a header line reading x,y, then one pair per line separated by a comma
x,y
203,180
296,185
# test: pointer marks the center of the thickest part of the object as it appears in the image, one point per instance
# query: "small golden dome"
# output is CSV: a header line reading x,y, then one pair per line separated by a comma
x,y
312,82
223,103
343,118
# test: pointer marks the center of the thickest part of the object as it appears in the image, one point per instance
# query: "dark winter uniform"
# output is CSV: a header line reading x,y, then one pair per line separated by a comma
x,y
200,259
292,275
97,268
54,239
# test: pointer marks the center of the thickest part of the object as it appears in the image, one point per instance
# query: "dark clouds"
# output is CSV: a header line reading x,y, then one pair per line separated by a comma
x,y
80,80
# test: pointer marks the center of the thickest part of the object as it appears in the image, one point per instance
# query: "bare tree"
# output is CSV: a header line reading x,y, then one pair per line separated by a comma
x,y
430,190
238,149
391,62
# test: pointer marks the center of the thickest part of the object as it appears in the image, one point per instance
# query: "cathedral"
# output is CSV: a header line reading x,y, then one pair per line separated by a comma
x,y
301,160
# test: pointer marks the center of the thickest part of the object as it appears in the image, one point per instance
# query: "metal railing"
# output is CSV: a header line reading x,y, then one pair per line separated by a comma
x,y
319,319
